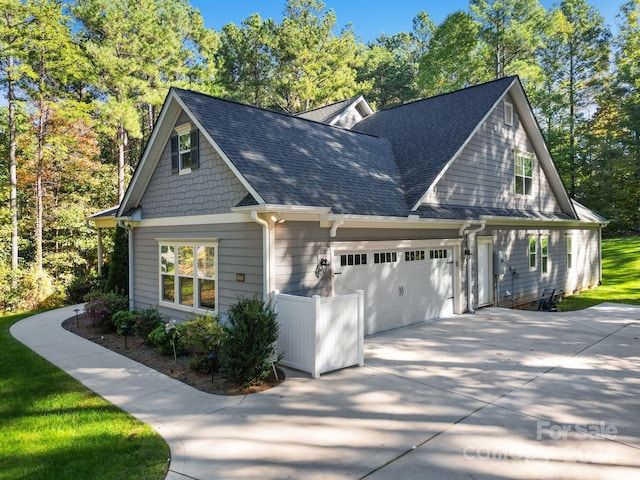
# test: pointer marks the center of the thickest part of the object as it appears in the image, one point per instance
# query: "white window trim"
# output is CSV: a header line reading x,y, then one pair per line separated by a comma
x,y
508,113
188,242
527,155
569,252
535,267
543,256
184,129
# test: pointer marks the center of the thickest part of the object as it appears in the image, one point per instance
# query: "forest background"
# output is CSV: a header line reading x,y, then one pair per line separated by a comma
x,y
84,82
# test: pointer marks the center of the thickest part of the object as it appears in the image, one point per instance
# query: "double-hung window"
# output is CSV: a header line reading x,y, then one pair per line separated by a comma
x,y
523,173
569,252
188,274
532,253
544,254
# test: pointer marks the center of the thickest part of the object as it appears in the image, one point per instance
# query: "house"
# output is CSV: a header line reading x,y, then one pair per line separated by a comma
x,y
436,207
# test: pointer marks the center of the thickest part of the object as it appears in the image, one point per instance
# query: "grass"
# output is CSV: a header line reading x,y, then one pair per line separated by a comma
x,y
52,427
620,276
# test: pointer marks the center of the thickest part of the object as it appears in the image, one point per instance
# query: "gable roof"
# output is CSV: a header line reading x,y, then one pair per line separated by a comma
x,y
286,160
427,134
384,167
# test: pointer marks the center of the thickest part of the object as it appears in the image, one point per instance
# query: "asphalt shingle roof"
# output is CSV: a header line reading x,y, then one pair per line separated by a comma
x,y
426,134
293,161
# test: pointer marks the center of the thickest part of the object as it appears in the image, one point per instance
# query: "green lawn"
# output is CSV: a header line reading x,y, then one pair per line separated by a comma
x,y
620,276
52,427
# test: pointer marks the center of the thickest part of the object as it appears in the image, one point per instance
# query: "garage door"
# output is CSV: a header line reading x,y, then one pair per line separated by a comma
x,y
401,286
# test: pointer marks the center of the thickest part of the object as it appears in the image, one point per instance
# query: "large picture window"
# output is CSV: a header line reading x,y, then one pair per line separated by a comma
x,y
524,174
188,274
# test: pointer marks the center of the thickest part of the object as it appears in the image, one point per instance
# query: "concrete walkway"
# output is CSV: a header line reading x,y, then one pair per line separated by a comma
x,y
500,394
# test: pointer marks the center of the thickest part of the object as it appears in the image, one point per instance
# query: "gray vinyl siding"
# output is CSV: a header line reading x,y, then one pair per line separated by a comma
x,y
212,188
526,286
299,245
484,172
239,251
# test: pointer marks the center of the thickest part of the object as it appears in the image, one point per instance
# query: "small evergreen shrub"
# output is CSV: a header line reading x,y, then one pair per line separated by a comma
x,y
202,336
101,307
147,321
249,337
125,317
167,339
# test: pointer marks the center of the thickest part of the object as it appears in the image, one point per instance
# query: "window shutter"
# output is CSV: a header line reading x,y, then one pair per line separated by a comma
x,y
175,163
195,149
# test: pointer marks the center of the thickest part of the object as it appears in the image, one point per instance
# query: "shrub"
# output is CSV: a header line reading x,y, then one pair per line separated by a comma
x,y
202,335
102,306
167,339
26,289
248,341
125,317
81,286
147,321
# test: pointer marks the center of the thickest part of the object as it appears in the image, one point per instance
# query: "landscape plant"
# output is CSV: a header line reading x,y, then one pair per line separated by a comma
x,y
249,338
147,321
125,318
202,336
101,307
167,338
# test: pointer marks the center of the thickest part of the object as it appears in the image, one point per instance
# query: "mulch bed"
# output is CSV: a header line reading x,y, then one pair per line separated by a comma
x,y
139,350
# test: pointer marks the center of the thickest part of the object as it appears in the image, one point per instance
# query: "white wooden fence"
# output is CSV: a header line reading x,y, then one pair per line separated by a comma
x,y
320,334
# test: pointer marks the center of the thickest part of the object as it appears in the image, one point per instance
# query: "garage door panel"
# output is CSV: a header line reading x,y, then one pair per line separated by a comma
x,y
417,286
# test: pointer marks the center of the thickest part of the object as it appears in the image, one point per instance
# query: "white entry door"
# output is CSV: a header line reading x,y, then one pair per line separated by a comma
x,y
484,271
402,286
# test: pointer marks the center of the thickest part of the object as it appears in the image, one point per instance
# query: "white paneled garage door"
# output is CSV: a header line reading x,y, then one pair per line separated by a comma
x,y
402,285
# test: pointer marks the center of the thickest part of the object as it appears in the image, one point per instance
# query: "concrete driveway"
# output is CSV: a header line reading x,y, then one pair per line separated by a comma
x,y
498,394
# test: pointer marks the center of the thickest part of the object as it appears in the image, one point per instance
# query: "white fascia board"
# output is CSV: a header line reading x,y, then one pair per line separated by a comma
x,y
273,208
372,221
462,147
213,219
529,222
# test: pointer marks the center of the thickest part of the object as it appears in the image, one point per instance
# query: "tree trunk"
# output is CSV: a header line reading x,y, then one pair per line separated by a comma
x,y
13,175
122,142
39,193
572,121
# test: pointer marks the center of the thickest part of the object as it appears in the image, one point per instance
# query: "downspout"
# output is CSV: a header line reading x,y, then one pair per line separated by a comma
x,y
470,235
129,229
266,256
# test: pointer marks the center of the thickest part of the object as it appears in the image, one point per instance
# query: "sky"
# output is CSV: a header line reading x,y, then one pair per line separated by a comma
x,y
369,17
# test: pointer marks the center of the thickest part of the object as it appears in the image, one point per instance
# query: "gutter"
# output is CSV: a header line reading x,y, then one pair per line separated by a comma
x,y
266,254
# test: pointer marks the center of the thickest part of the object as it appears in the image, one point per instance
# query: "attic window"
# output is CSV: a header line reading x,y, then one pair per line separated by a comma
x,y
508,113
184,149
